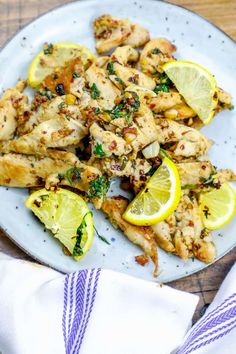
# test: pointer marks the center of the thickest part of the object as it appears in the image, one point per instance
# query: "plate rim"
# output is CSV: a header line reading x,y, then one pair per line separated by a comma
x,y
60,6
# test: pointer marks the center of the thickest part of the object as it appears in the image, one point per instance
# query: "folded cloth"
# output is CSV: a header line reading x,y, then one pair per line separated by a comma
x,y
215,332
88,312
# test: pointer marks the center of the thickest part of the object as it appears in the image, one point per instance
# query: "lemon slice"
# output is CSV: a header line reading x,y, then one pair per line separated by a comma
x,y
158,199
53,56
218,206
196,85
68,217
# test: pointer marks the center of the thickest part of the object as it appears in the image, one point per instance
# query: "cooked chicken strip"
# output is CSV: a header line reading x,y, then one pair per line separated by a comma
x,y
18,170
58,132
12,103
124,55
142,236
192,173
224,100
106,143
110,32
138,37
189,141
129,75
183,233
107,92
190,237
54,108
146,129
179,112
155,53
164,101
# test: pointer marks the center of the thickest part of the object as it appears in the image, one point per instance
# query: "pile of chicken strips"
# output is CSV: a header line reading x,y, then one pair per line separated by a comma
x,y
89,121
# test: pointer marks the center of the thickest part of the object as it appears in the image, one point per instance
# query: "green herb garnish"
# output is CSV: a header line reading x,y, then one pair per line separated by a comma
x,y
128,105
98,187
156,51
95,93
46,93
161,87
97,110
76,75
101,237
110,68
61,105
206,211
78,251
72,175
98,150
48,48
120,81
231,108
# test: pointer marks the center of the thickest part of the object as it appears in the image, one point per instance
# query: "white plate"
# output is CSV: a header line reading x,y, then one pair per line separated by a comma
x,y
197,40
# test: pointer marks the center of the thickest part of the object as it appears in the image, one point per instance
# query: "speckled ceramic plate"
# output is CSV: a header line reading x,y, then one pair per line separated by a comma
x,y
197,40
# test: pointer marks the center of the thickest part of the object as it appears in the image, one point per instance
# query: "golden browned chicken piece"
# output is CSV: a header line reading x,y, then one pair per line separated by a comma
x,y
142,236
189,142
179,112
18,170
138,37
129,75
105,143
183,233
102,89
155,53
110,32
58,132
125,55
12,103
193,173
54,108
164,101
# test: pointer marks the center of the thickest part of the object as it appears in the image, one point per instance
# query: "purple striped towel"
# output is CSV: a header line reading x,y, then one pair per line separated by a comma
x,y
102,312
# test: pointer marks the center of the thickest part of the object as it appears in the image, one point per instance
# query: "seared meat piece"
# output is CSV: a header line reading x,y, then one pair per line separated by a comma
x,y
110,32
142,236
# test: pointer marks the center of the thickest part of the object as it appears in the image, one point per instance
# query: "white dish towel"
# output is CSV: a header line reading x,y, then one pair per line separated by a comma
x,y
104,312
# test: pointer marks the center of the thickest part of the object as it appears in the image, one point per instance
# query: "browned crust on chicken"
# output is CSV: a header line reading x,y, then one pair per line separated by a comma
x,y
142,236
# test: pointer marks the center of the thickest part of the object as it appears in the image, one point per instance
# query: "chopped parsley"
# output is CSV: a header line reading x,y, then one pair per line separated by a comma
x,y
161,87
97,110
164,85
75,75
98,150
101,237
61,105
110,68
98,187
95,93
206,211
231,108
127,106
48,48
156,51
165,80
46,93
120,81
78,251
72,175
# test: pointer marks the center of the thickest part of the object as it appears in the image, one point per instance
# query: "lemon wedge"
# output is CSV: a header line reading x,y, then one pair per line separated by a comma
x,y
158,199
196,85
218,206
54,56
68,217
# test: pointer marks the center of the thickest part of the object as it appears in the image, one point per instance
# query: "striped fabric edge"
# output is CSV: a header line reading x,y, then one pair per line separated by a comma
x,y
79,295
215,325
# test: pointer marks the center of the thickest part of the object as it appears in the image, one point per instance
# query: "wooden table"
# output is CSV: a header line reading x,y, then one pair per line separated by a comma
x,y
15,13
